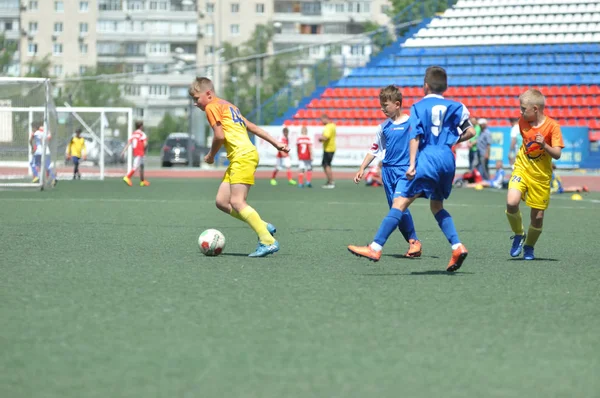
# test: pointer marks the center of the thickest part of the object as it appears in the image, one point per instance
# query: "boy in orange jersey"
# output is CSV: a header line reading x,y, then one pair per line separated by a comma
x,y
532,174
231,129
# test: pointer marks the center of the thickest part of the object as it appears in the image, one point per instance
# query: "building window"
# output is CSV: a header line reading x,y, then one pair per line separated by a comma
x,y
135,48
235,8
385,9
158,48
109,5
234,29
208,50
59,6
340,8
83,28
57,49
135,5
138,113
107,26
357,49
84,6
33,5
32,48
159,5
209,30
260,8
58,70
83,48
210,8
82,69
58,27
130,89
158,91
33,28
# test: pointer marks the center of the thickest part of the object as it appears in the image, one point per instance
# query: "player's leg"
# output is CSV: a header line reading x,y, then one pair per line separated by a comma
x,y
308,164
50,170
301,171
517,187
406,225
34,170
136,164
278,164
533,233
287,162
446,224
327,159
37,165
75,166
143,181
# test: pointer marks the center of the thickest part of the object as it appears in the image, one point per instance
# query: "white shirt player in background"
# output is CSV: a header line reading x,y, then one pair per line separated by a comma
x,y
283,160
36,141
138,142
304,145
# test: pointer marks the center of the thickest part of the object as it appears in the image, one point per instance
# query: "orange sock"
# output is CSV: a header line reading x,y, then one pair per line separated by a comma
x,y
289,174
274,174
130,173
308,176
300,178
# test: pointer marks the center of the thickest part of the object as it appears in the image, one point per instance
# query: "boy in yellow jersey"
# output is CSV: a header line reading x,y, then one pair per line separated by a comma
x,y
532,174
328,140
76,151
231,129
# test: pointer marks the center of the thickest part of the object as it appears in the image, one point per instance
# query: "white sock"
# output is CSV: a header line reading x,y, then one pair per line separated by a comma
x,y
376,246
456,246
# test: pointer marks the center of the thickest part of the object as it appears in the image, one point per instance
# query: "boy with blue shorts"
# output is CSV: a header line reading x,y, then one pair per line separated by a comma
x,y
391,143
436,124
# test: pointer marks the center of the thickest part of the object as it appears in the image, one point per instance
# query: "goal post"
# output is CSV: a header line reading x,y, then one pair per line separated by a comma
x,y
26,106
25,102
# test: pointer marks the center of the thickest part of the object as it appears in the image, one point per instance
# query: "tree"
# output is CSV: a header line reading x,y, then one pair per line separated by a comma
x,y
7,51
169,124
93,92
39,67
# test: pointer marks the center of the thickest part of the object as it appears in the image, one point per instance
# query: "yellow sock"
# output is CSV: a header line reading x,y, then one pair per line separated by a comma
x,y
532,236
516,222
251,217
237,215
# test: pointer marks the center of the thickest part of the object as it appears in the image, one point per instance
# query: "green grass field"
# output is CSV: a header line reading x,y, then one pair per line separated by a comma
x,y
104,294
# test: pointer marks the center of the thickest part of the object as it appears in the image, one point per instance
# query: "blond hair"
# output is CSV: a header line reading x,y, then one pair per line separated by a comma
x,y
533,97
201,84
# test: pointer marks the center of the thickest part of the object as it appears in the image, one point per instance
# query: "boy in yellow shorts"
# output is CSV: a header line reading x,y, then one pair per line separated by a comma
x,y
532,174
231,129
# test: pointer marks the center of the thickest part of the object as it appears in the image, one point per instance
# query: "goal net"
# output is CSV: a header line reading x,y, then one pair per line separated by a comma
x,y
27,110
28,132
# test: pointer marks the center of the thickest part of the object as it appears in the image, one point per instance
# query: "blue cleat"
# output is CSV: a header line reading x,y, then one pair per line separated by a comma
x,y
264,250
528,253
300,185
308,185
271,228
517,245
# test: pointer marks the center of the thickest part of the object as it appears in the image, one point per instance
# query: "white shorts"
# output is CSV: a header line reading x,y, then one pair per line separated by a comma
x,y
283,163
137,161
305,165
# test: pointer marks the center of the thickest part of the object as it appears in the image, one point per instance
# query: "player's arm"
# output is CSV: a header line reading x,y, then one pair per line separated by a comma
x,y
326,135
361,171
554,151
257,131
217,143
468,131
31,143
125,149
83,150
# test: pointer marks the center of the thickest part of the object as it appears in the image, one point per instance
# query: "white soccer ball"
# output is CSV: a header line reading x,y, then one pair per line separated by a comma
x,y
211,242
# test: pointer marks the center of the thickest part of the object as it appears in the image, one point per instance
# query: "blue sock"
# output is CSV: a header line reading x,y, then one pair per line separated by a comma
x,y
446,224
388,225
407,227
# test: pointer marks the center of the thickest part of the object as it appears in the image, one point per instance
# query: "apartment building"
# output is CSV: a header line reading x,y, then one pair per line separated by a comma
x,y
9,28
317,24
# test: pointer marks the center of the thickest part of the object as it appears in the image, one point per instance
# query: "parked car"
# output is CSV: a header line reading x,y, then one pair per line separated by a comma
x,y
177,149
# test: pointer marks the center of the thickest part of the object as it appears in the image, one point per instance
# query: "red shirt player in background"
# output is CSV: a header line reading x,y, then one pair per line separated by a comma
x,y
304,144
139,142
283,160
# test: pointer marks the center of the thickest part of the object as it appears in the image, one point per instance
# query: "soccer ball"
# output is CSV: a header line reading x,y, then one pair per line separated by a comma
x,y
211,242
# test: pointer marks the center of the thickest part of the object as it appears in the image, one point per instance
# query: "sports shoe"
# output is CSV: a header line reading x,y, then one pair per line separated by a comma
x,y
292,182
365,251
127,181
528,253
264,250
517,245
414,248
54,182
271,228
273,181
300,185
328,186
458,256
308,185
585,189
35,179
144,183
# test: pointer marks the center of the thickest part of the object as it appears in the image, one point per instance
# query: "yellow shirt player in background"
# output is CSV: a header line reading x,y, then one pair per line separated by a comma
x,y
532,174
328,140
231,129
76,151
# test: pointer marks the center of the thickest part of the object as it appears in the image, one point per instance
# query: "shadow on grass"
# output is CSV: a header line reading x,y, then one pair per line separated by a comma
x,y
235,254
407,258
419,273
536,259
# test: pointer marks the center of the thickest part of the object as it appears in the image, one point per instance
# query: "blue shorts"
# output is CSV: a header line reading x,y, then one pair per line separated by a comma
x,y
394,181
75,160
435,173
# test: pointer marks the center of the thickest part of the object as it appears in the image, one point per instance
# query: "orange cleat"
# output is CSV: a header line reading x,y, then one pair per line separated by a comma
x,y
585,189
144,183
127,181
414,249
458,256
365,251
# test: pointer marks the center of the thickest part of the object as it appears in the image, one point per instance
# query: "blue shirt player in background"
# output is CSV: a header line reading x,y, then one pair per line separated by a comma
x,y
391,144
436,125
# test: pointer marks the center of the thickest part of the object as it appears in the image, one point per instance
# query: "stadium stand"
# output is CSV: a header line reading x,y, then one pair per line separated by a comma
x,y
483,46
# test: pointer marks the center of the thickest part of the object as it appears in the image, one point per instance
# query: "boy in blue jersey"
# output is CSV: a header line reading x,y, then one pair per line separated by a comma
x,y
391,144
436,124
